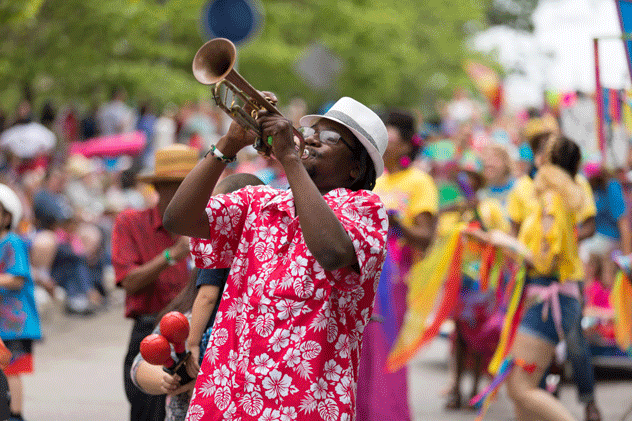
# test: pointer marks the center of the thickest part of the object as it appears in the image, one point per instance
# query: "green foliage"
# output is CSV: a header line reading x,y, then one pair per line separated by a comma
x,y
83,48
393,52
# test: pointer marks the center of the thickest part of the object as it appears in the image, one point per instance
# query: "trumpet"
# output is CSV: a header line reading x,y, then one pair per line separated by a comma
x,y
213,64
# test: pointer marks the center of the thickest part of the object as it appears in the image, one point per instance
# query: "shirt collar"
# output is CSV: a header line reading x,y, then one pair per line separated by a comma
x,y
284,200
502,188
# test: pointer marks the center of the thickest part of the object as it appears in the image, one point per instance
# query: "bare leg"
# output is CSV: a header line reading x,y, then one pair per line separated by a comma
x,y
477,367
454,395
42,256
522,414
533,402
15,389
608,272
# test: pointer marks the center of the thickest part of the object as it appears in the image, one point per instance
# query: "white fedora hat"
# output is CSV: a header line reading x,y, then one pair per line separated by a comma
x,y
365,124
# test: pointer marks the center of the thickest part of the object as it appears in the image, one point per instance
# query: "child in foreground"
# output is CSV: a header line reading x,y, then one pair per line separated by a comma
x,y
19,324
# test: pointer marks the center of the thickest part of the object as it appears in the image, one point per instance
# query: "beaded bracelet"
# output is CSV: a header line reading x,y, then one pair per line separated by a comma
x,y
169,259
220,156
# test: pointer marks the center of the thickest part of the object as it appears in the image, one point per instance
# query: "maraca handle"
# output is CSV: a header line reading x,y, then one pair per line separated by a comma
x,y
180,369
182,355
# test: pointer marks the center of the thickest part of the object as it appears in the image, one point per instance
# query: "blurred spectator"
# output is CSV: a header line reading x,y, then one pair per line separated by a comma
x,y
24,113
88,124
613,229
272,173
48,115
151,265
115,116
165,128
59,253
198,130
82,188
498,173
525,160
70,125
123,194
146,123
462,108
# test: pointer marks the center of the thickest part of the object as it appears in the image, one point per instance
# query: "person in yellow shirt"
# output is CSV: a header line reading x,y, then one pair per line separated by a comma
x,y
411,199
519,206
553,306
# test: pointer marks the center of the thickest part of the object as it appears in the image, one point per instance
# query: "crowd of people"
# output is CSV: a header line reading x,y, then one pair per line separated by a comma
x,y
294,270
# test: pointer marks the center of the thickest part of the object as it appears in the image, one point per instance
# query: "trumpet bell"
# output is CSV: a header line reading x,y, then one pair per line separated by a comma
x,y
214,61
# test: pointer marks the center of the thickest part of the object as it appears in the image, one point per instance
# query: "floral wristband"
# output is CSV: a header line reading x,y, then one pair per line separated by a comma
x,y
220,156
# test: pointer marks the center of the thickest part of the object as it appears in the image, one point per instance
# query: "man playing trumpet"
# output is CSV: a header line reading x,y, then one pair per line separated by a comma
x,y
304,267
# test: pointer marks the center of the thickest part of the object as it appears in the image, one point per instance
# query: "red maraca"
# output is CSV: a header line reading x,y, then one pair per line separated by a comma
x,y
175,327
156,350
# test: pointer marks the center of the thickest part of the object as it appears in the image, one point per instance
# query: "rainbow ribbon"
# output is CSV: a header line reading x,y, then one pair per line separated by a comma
x,y
621,299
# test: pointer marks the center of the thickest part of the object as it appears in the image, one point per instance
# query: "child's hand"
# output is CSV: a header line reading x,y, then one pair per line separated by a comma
x,y
192,362
170,385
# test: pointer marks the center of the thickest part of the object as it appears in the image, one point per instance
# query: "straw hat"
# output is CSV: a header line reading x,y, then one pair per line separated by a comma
x,y
79,166
540,125
172,163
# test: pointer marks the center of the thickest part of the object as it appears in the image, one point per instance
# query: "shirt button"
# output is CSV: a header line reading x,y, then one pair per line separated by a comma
x,y
238,395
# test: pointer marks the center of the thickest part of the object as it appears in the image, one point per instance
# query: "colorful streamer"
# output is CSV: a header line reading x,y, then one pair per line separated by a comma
x,y
487,261
488,83
515,289
621,299
385,286
425,280
483,399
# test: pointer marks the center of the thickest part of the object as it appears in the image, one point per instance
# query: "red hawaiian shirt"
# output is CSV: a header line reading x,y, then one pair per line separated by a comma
x,y
286,341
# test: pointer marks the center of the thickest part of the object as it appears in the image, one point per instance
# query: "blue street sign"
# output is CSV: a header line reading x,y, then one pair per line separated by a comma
x,y
624,9
236,20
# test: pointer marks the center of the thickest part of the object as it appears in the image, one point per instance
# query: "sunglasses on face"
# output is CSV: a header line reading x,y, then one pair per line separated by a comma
x,y
328,137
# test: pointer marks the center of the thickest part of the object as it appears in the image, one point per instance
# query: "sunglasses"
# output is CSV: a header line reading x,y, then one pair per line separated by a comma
x,y
328,137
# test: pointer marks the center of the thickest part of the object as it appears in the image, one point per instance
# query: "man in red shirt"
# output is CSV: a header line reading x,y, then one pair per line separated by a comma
x,y
150,264
304,262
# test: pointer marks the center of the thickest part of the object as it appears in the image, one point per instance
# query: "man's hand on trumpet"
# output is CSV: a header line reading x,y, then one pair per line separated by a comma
x,y
239,137
278,135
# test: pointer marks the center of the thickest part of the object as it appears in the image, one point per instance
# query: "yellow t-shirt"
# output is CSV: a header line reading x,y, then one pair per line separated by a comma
x,y
554,247
522,196
409,192
492,216
521,200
